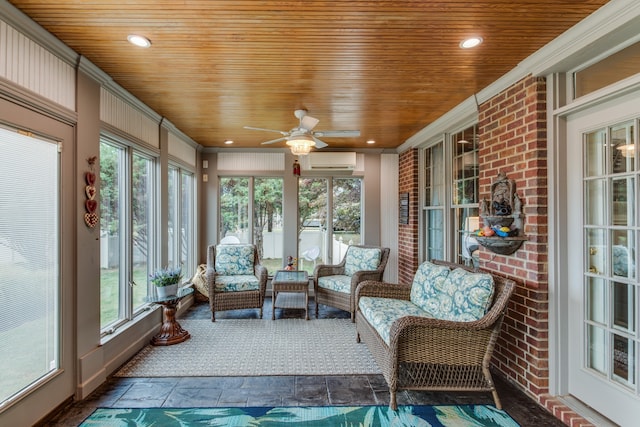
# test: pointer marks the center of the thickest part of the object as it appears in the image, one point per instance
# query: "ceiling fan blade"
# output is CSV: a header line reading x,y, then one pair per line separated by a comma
x,y
308,122
275,140
319,143
267,130
337,133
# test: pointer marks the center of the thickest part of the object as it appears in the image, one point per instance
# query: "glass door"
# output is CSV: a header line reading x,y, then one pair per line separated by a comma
x,y
603,285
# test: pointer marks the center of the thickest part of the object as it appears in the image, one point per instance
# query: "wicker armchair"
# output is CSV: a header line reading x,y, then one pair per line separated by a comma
x,y
342,296
431,354
230,288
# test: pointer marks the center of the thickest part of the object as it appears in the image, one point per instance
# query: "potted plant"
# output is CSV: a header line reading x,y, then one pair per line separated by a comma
x,y
166,281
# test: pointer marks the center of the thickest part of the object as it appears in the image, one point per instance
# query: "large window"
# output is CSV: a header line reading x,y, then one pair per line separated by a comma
x,y
317,208
434,201
263,197
29,261
451,210
181,217
127,231
464,148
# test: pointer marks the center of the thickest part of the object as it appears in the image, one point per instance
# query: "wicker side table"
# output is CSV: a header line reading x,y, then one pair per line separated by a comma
x,y
290,282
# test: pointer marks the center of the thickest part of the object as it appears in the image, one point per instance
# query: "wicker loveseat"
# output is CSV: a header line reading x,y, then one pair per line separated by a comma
x,y
335,285
235,278
436,334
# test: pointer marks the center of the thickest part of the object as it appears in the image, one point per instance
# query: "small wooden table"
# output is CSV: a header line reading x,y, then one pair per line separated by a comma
x,y
171,332
290,282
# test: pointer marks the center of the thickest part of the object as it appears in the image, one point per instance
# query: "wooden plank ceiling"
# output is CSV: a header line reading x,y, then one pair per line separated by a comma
x,y
386,68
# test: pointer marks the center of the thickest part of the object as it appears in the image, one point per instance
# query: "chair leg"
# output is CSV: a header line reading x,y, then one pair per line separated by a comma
x,y
496,399
392,400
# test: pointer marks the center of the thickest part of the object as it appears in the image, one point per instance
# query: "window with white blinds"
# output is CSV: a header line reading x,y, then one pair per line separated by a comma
x,y
29,261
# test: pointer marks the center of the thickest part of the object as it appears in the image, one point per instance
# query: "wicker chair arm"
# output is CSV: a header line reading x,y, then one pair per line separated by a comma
x,y
328,270
260,271
210,277
442,341
262,274
371,288
362,275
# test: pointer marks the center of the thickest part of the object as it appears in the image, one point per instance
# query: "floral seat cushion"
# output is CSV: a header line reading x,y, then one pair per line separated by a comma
x,y
234,259
359,259
338,283
457,295
382,312
236,283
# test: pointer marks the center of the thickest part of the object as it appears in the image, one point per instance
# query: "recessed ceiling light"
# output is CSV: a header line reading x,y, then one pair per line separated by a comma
x,y
137,40
228,142
371,141
470,42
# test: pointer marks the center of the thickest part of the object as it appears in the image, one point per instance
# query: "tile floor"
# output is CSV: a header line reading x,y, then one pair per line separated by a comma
x,y
282,390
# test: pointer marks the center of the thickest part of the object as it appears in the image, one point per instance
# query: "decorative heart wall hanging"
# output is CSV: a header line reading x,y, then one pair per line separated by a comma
x,y
90,177
90,191
91,219
91,205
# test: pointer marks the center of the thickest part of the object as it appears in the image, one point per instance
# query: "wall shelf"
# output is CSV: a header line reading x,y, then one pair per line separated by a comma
x,y
501,245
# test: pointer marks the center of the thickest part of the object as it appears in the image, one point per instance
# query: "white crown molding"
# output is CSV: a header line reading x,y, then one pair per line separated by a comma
x,y
464,112
613,24
27,26
165,123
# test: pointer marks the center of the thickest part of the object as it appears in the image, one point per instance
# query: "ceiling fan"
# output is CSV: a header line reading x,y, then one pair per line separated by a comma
x,y
302,138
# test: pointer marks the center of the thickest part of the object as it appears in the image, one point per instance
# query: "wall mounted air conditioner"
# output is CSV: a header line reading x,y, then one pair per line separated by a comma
x,y
338,161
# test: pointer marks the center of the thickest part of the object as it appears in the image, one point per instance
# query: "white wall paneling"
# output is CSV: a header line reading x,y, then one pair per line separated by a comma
x,y
389,199
125,117
31,66
248,162
182,150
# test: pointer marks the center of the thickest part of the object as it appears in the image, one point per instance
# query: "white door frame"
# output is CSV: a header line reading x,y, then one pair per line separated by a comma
x,y
563,164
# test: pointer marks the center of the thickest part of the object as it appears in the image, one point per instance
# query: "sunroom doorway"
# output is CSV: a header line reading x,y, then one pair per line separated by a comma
x,y
603,224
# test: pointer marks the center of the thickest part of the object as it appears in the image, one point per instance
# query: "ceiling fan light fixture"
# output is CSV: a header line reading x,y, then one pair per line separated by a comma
x,y
471,42
301,145
137,40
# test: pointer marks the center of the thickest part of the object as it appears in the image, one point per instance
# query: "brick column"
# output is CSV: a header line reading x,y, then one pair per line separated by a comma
x,y
408,233
513,140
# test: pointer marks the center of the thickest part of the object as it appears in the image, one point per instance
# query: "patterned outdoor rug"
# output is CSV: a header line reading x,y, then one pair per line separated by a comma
x,y
251,347
330,416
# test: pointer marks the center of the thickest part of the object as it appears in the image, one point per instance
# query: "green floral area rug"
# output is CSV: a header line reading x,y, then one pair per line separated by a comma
x,y
317,416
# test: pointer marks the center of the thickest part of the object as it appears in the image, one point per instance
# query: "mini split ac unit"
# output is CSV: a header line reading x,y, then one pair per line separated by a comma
x,y
320,161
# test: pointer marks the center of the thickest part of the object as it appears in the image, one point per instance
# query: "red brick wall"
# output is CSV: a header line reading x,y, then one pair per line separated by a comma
x,y
408,233
513,139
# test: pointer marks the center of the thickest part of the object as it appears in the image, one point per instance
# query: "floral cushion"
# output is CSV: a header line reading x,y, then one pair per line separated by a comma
x,y
468,296
427,280
234,259
235,283
382,312
359,259
338,283
458,295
